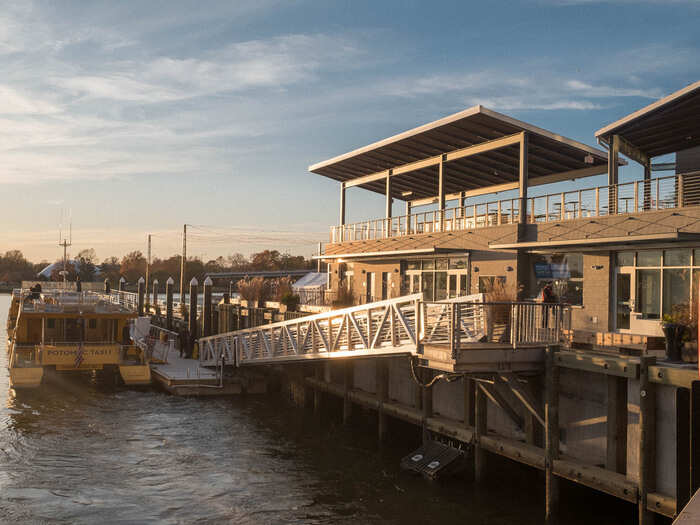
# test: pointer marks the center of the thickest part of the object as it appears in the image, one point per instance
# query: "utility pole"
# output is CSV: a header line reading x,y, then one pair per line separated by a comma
x,y
65,243
148,266
182,264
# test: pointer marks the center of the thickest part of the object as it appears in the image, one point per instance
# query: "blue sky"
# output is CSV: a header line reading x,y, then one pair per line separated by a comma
x,y
141,116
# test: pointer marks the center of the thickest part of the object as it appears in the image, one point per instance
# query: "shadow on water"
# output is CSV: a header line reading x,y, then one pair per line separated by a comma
x,y
84,451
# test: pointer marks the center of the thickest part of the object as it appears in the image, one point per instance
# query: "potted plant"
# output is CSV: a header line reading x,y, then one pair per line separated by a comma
x,y
679,327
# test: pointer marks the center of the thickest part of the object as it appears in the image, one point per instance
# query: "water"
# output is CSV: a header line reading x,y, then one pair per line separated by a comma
x,y
81,452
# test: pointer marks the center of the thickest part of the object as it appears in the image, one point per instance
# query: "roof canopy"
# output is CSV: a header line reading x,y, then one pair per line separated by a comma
x,y
666,126
480,149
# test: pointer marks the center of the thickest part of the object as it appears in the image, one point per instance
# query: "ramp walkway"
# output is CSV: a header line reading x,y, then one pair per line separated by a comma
x,y
463,333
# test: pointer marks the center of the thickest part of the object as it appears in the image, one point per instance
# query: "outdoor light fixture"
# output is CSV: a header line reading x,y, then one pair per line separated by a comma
x,y
509,268
597,267
588,159
476,268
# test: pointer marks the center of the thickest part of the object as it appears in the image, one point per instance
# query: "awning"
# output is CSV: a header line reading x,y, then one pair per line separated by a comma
x,y
668,125
466,142
311,280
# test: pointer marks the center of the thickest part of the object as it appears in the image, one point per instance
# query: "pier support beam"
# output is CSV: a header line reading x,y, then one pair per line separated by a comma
x,y
551,439
169,303
647,433
382,397
206,308
348,380
480,430
318,374
616,457
427,403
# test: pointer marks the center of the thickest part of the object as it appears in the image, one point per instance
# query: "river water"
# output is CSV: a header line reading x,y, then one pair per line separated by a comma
x,y
81,452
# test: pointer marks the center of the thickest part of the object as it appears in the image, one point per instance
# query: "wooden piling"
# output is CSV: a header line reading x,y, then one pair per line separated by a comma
x,y
318,373
206,308
192,318
647,434
141,295
551,414
169,303
108,287
155,296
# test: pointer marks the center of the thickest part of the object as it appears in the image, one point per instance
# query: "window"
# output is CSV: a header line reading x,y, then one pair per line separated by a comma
x,y
564,272
92,324
437,278
51,324
665,280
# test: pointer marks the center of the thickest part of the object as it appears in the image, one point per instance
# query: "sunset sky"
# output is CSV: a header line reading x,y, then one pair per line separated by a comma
x,y
142,116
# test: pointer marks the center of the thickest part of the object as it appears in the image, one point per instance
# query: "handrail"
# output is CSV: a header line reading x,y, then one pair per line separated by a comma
x,y
673,191
372,329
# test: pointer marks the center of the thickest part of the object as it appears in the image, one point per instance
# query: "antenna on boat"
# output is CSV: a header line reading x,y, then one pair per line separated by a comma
x,y
65,242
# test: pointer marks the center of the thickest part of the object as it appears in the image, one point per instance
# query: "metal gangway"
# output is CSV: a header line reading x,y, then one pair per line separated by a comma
x,y
390,327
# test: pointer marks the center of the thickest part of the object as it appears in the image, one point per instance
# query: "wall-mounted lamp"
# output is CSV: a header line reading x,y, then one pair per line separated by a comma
x,y
597,267
363,271
396,270
476,269
509,268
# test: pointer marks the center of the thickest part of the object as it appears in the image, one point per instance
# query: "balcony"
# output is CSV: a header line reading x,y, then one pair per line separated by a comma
x,y
640,196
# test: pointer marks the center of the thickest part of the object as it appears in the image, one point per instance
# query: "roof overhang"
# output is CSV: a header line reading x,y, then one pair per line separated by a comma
x,y
620,240
665,126
419,251
478,147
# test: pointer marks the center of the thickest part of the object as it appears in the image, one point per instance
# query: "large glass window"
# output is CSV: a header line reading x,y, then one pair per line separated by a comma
x,y
438,278
563,272
666,280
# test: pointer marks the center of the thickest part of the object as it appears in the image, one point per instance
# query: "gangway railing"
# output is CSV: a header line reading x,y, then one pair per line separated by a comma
x,y
380,328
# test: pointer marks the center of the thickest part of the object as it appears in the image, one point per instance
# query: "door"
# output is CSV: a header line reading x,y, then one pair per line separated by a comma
x,y
456,284
624,304
370,287
385,285
637,301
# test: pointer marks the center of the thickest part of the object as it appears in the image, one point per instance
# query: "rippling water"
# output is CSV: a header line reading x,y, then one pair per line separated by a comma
x,y
80,452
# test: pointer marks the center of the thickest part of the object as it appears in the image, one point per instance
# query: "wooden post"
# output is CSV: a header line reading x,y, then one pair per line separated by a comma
x,y
108,286
183,267
192,323
616,426
523,171
480,429
122,282
206,307
647,432
468,401
148,269
169,303
647,186
382,396
441,192
141,295
347,386
551,416
227,298
155,296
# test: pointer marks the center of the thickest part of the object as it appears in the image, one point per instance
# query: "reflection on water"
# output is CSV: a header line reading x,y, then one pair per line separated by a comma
x,y
81,452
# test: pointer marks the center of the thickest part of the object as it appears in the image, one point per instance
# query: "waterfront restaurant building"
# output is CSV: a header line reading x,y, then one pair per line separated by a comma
x,y
490,200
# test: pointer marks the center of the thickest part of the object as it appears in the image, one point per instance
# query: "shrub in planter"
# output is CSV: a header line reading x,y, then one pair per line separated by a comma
x,y
291,301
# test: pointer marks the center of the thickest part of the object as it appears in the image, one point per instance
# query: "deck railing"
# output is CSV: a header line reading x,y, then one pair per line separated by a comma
x,y
630,197
512,323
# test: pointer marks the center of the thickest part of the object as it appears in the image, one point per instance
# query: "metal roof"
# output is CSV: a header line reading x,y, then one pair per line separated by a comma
x,y
548,154
668,125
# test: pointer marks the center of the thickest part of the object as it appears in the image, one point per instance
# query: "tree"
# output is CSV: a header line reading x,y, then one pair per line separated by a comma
x,y
133,266
56,273
109,269
86,264
14,267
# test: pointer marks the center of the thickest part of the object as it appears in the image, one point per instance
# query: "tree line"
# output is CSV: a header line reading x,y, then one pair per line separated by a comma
x,y
14,267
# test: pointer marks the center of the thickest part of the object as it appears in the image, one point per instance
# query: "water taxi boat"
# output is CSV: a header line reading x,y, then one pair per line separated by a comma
x,y
63,331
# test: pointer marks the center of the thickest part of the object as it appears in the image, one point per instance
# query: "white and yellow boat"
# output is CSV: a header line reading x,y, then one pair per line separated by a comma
x,y
67,332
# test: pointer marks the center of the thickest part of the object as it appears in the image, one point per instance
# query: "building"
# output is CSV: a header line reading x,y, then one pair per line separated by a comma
x,y
490,200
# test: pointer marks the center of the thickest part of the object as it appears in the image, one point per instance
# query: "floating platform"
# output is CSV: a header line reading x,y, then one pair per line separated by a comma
x,y
186,377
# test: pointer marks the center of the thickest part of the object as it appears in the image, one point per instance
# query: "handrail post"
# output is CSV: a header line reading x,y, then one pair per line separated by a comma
x,y
597,201
636,196
580,210
499,214
657,194
680,197
562,211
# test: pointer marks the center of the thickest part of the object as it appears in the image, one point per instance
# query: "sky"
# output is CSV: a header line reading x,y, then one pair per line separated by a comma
x,y
139,117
